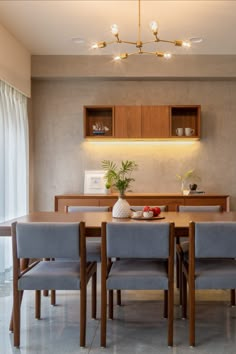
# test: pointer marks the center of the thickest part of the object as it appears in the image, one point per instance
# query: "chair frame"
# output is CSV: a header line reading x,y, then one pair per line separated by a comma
x,y
87,271
179,250
168,294
188,277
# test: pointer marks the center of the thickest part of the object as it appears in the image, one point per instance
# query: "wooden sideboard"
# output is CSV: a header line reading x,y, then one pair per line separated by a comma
x,y
171,200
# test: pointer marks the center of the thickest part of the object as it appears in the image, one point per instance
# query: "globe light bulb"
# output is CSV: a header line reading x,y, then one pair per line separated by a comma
x,y
154,26
186,44
167,55
114,29
94,46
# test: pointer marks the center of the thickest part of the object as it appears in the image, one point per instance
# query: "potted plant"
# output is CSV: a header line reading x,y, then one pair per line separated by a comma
x,y
119,178
186,178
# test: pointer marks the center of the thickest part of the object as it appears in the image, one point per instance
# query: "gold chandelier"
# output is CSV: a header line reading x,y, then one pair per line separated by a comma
x,y
139,44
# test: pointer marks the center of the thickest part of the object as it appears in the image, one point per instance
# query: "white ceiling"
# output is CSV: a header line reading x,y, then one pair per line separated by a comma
x,y
47,27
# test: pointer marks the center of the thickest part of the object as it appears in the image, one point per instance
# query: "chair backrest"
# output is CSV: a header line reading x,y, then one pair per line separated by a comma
x,y
85,208
214,239
138,240
140,207
47,240
200,208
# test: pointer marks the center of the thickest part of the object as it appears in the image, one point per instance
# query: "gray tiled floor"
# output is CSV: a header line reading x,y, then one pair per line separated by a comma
x,y
138,326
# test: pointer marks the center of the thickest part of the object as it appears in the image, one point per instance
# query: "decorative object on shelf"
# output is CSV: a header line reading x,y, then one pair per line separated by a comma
x,y
139,44
120,179
99,129
189,131
185,180
94,182
107,188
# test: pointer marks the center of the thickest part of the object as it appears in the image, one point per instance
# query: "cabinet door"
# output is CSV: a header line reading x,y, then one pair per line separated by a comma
x,y
155,122
127,121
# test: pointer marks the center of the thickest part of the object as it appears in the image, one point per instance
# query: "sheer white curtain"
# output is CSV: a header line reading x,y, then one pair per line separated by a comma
x,y
13,165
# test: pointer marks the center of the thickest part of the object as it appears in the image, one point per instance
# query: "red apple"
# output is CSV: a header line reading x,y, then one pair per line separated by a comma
x,y
146,208
156,211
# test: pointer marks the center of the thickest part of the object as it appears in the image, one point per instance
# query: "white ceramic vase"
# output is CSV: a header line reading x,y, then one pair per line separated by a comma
x,y
121,209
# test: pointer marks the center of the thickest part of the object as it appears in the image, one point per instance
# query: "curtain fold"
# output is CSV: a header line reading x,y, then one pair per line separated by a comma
x,y
13,165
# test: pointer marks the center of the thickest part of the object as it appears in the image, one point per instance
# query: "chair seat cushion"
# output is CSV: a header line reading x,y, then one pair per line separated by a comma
x,y
138,275
58,275
215,274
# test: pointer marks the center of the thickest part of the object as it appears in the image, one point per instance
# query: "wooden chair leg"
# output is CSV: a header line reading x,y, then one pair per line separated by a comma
x,y
38,304
103,314
11,326
232,297
191,316
177,242
83,310
170,296
94,296
165,314
53,297
180,282
111,304
177,272
16,316
118,297
184,296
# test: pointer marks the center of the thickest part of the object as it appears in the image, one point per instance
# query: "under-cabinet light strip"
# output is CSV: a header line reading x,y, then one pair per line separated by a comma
x,y
138,142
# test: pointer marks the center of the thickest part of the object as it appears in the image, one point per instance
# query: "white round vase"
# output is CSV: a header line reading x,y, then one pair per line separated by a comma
x,y
121,209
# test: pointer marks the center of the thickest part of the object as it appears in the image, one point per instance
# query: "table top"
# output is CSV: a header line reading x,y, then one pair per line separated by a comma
x,y
93,220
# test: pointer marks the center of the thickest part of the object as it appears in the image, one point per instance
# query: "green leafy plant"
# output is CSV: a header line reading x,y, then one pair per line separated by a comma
x,y
188,175
119,177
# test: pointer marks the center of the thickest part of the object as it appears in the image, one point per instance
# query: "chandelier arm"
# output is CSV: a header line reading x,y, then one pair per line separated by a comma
x,y
146,52
153,41
166,41
133,53
111,42
127,42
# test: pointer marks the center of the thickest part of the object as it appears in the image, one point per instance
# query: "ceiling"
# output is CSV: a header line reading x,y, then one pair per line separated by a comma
x,y
47,27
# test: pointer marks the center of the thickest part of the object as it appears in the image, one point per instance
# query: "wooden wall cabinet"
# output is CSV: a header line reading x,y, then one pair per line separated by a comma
x,y
141,122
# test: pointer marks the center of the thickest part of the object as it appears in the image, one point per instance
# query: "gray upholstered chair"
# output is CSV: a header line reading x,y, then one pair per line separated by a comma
x,y
86,208
46,241
182,247
199,208
140,207
93,244
211,263
137,256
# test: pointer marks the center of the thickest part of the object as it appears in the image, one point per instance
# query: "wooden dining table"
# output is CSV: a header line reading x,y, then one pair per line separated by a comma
x,y
93,220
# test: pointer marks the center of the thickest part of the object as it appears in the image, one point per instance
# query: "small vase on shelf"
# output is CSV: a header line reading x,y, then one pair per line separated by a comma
x,y
184,188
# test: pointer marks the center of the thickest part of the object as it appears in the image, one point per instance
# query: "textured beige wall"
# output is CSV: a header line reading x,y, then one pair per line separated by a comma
x,y
15,63
61,155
